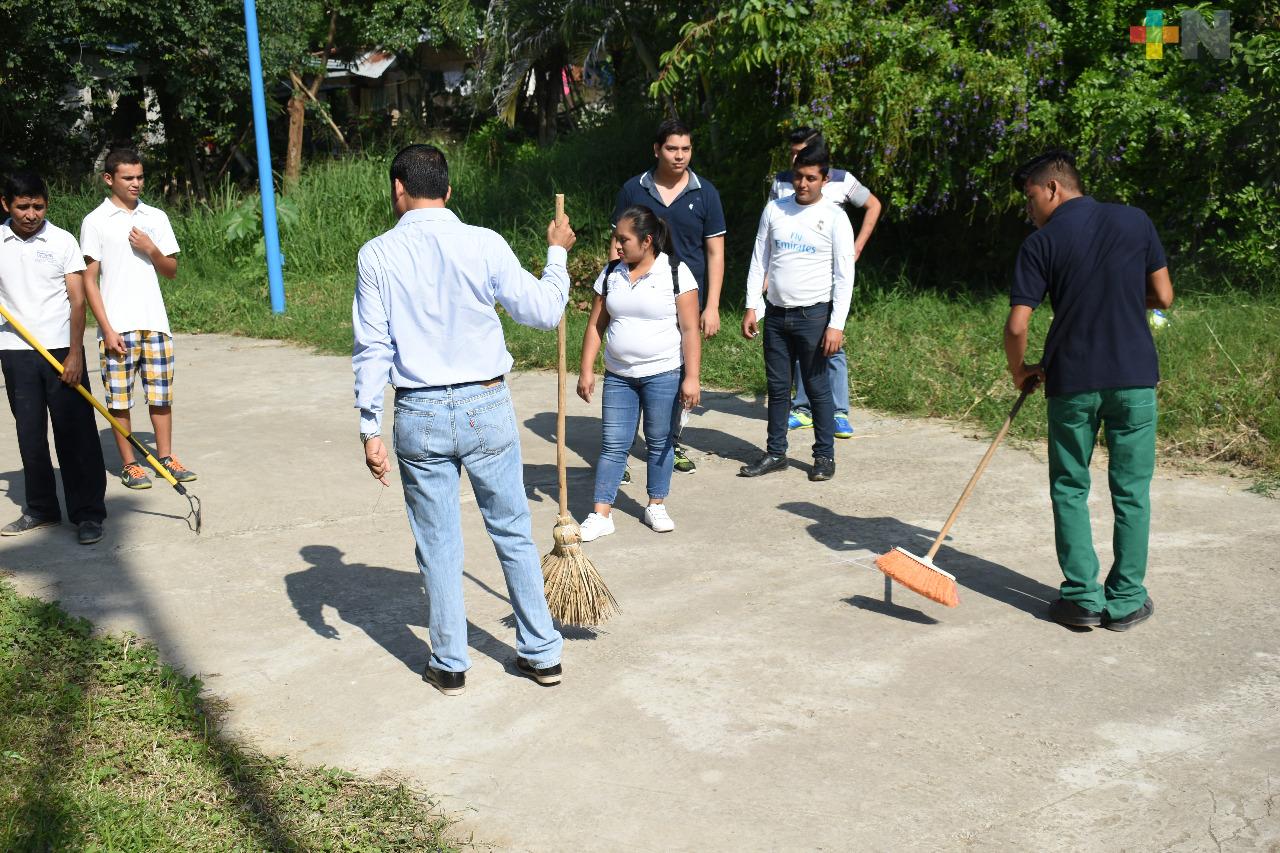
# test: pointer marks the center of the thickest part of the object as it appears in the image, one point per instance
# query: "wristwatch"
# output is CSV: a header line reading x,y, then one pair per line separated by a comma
x,y
365,436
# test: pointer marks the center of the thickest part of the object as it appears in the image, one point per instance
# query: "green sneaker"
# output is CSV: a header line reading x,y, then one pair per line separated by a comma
x,y
180,472
799,420
626,476
683,463
135,476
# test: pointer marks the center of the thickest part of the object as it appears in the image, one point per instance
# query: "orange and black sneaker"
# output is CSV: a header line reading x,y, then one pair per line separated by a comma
x,y
180,472
135,476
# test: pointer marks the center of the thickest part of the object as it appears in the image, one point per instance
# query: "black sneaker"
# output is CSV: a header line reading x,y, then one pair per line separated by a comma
x,y
764,465
1137,617
546,676
26,524
448,683
823,469
88,532
1073,615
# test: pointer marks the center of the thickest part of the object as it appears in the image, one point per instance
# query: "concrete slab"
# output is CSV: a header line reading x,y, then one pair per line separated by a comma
x,y
758,691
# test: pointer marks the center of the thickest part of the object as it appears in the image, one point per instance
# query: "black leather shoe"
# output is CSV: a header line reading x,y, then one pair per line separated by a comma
x,y
546,676
764,465
823,469
88,532
1137,617
448,683
1073,615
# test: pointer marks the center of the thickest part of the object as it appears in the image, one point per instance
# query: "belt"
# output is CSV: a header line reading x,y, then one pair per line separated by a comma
x,y
483,383
784,308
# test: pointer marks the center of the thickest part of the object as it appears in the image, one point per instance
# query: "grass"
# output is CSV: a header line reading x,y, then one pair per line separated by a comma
x,y
915,348
102,747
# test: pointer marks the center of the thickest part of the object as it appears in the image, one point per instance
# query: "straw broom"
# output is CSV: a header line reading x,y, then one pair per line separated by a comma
x,y
576,594
919,573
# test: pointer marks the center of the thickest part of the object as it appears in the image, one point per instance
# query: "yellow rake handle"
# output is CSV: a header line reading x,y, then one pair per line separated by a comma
x,y
102,410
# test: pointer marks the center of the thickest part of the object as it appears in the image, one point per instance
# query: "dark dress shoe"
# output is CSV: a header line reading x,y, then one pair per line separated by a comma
x,y
764,465
546,676
1137,617
1073,615
448,683
88,532
823,469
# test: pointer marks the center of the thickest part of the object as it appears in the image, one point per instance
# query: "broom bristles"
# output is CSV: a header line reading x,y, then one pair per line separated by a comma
x,y
919,575
576,593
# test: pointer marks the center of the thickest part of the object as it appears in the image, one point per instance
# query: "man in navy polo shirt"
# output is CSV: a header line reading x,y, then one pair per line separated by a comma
x,y
1102,266
691,207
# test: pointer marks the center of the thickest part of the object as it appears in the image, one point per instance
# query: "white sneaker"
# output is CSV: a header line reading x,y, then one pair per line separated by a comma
x,y
596,526
655,515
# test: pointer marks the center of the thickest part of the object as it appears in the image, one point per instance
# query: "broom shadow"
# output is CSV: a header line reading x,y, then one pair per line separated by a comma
x,y
569,632
881,534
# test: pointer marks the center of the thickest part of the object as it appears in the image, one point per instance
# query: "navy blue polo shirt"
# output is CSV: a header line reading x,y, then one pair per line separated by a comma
x,y
692,216
1092,260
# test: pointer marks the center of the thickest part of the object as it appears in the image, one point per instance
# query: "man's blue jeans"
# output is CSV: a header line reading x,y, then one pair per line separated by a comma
x,y
791,336
437,431
837,376
625,399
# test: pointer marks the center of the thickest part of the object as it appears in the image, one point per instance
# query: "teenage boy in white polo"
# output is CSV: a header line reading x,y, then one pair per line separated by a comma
x,y
843,189
805,245
42,286
129,243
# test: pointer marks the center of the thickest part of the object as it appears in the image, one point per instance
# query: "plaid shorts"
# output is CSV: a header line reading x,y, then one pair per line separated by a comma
x,y
148,353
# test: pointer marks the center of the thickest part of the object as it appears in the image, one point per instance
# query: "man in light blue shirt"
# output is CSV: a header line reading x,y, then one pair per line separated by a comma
x,y
425,320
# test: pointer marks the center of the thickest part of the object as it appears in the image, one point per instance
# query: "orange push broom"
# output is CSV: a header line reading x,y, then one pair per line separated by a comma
x,y
919,573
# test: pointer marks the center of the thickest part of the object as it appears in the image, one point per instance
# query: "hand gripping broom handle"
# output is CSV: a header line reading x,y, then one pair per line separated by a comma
x,y
561,401
1027,389
102,410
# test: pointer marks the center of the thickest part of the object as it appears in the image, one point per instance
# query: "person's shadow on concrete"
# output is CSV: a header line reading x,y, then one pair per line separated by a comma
x,y
384,603
582,438
882,534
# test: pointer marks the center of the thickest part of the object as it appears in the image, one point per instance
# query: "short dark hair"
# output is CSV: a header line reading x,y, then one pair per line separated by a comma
x,y
671,127
422,171
814,154
1055,164
804,136
24,183
122,156
646,224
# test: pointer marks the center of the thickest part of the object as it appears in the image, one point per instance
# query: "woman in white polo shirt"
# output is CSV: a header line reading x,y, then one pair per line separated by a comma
x,y
646,312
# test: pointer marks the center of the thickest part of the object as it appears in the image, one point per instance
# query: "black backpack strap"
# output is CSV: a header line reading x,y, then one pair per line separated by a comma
x,y
608,271
675,273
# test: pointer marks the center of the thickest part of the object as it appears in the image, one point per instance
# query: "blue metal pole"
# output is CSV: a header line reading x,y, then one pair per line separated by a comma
x,y
270,228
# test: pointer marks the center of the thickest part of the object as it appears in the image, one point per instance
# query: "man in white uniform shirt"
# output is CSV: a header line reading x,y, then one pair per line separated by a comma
x,y
425,320
128,245
805,246
843,189
42,286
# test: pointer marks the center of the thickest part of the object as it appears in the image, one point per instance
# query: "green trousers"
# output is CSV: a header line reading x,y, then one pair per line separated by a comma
x,y
1128,418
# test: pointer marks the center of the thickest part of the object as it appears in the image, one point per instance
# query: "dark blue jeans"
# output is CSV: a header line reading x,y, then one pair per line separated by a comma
x,y
794,336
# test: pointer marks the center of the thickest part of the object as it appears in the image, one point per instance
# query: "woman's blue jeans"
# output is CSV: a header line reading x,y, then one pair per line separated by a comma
x,y
657,397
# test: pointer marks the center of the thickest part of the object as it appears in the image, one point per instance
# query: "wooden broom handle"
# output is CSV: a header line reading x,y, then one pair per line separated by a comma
x,y
1027,389
561,400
